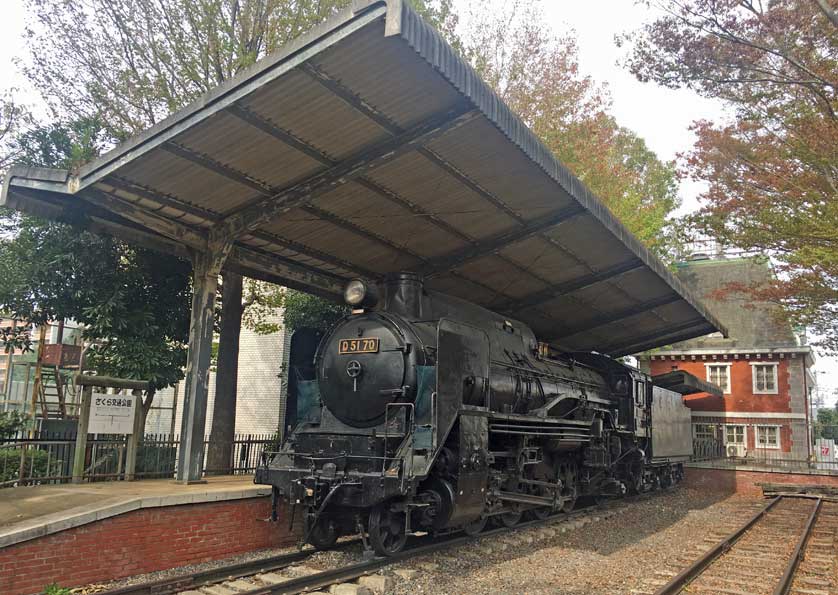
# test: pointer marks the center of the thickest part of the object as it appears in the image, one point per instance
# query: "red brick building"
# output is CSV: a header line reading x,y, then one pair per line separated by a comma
x,y
763,367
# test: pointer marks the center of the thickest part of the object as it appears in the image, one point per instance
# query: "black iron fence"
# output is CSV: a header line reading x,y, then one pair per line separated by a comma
x,y
792,446
48,457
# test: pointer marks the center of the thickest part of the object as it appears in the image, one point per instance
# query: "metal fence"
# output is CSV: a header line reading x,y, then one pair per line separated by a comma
x,y
47,457
798,447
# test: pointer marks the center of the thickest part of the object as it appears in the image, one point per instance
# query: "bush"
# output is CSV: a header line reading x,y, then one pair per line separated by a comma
x,y
37,464
156,459
11,422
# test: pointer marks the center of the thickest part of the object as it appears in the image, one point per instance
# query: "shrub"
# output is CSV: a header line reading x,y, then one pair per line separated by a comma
x,y
37,463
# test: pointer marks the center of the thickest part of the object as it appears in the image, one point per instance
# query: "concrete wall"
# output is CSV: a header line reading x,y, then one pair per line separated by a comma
x,y
261,390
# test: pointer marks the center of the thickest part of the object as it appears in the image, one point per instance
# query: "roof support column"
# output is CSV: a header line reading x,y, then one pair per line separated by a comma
x,y
206,268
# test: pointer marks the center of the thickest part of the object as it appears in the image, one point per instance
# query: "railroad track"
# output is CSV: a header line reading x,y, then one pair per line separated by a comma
x,y
286,574
196,580
787,547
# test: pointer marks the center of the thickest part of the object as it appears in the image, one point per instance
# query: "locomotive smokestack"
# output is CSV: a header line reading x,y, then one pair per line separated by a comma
x,y
403,294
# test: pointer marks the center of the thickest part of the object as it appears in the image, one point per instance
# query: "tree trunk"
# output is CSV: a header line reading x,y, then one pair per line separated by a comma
x,y
220,451
146,407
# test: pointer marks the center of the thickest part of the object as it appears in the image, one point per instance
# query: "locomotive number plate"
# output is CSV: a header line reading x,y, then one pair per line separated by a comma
x,y
358,345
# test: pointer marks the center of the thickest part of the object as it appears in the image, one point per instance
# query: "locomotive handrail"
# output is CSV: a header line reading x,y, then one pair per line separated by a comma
x,y
543,374
409,434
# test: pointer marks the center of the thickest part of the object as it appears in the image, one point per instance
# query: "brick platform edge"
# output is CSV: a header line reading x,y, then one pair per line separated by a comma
x,y
141,541
733,481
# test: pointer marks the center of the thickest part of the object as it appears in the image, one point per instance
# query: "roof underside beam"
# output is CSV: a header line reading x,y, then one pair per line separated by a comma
x,y
267,208
617,316
156,196
217,167
270,267
367,109
570,286
97,219
290,139
159,197
191,237
490,245
694,327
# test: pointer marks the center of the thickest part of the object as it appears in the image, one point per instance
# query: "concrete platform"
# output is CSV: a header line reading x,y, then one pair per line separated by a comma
x,y
31,512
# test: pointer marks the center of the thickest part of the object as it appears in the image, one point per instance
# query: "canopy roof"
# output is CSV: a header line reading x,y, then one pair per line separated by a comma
x,y
686,384
366,147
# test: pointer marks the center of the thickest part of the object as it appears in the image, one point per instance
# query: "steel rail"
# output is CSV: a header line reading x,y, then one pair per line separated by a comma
x,y
354,571
797,555
693,570
195,580
222,573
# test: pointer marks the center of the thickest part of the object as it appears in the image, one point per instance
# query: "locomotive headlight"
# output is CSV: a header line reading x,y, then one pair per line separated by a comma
x,y
358,294
355,292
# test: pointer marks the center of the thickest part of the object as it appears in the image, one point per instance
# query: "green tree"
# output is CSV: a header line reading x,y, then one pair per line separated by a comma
x,y
131,63
265,302
13,119
772,169
11,422
133,303
826,424
536,71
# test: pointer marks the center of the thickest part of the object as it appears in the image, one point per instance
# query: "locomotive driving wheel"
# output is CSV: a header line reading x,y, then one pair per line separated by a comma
x,y
541,512
387,529
323,535
475,527
509,519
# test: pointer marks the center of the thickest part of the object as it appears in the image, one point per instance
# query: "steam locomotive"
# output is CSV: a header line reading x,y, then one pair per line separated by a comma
x,y
423,412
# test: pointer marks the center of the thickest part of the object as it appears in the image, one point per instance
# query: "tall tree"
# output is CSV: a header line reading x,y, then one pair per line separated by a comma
x,y
133,303
222,431
536,71
14,118
772,169
133,62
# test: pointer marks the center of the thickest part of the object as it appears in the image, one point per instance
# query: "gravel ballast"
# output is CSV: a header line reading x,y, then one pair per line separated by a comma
x,y
632,547
634,551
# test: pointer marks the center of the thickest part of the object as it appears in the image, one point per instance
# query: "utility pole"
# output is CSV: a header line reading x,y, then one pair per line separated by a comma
x,y
36,386
7,389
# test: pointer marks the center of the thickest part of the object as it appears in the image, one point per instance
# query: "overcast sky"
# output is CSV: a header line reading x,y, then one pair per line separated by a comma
x,y
661,116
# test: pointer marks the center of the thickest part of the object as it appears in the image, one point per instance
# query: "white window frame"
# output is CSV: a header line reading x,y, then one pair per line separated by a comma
x,y
707,366
712,435
774,365
768,447
744,434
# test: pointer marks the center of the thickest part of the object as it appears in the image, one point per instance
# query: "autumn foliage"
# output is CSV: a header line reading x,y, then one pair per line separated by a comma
x,y
772,168
536,71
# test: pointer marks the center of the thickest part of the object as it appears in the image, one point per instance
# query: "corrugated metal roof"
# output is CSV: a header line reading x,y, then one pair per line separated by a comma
x,y
366,147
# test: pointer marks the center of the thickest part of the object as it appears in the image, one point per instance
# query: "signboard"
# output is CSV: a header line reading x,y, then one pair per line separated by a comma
x,y
825,449
112,414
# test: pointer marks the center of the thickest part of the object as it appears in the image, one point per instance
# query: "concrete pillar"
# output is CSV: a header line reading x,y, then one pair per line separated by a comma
x,y
81,435
135,436
206,268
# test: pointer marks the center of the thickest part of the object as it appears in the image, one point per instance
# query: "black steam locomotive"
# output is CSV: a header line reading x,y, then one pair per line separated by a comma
x,y
423,412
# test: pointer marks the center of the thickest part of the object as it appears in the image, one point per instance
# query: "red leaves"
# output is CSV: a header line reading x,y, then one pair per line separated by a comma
x,y
772,172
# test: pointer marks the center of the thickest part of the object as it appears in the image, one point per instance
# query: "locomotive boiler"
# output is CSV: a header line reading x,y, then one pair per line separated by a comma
x,y
423,412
